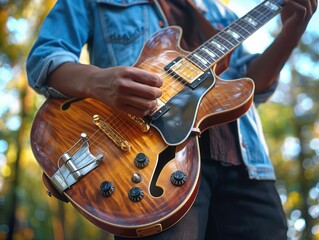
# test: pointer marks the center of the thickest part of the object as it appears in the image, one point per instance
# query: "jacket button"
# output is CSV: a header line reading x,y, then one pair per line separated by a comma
x,y
160,23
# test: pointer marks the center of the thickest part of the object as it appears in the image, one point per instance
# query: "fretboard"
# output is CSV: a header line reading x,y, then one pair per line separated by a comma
x,y
233,35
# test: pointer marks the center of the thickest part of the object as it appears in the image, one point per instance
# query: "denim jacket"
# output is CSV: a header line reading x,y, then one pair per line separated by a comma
x,y
115,32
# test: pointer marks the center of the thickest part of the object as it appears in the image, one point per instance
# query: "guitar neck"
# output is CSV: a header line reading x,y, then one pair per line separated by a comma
x,y
230,37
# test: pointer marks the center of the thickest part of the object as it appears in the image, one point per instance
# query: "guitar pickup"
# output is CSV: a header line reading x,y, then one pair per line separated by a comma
x,y
184,70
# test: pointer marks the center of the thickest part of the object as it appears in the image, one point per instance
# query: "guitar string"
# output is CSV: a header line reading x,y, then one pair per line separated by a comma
x,y
110,122
261,17
72,147
164,75
176,76
111,119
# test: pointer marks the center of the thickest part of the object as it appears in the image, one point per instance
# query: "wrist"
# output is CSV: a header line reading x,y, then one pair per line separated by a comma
x,y
90,80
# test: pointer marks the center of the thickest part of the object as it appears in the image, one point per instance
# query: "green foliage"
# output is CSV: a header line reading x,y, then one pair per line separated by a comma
x,y
26,212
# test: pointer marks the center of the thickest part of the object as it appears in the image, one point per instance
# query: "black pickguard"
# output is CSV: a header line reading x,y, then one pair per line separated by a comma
x,y
177,122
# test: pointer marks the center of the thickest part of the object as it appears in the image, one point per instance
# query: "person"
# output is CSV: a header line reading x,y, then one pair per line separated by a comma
x,y
237,198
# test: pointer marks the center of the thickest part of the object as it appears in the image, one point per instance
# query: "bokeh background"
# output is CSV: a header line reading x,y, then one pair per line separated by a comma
x,y
290,119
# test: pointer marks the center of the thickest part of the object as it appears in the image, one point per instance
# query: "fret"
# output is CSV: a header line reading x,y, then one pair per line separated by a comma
x,y
262,13
254,23
243,31
214,46
219,42
199,60
214,50
272,6
204,56
222,38
258,17
230,41
231,31
246,25
266,13
208,54
233,35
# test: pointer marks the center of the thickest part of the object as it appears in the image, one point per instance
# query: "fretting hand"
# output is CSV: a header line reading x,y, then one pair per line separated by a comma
x,y
296,15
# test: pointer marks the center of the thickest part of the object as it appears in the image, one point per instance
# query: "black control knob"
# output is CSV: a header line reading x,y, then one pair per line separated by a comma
x,y
141,160
136,194
178,178
106,188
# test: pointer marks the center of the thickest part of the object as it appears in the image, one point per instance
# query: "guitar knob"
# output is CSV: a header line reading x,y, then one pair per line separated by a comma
x,y
136,178
136,194
178,178
141,160
106,188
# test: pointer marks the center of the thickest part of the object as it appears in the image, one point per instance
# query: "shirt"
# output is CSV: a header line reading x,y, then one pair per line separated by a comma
x,y
220,143
100,25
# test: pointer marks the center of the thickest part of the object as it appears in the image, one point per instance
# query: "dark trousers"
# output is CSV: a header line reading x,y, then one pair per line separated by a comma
x,y
230,206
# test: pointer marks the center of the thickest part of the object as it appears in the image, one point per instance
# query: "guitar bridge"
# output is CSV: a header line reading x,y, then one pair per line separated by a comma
x,y
115,136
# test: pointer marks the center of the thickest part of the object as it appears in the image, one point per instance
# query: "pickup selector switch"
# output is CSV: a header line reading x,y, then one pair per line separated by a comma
x,y
136,178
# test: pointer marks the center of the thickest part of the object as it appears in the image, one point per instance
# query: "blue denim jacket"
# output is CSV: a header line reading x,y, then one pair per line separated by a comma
x,y
115,31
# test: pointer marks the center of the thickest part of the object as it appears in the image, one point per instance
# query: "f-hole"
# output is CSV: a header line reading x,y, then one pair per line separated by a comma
x,y
164,157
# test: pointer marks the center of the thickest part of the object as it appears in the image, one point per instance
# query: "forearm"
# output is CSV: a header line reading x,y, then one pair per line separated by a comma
x,y
265,69
295,17
127,89
72,79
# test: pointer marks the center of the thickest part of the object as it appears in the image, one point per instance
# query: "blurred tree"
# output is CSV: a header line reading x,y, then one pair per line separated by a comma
x,y
291,128
26,212
290,121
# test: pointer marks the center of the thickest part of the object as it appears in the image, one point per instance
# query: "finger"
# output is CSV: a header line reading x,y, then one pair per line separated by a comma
x,y
125,87
139,109
299,6
314,4
144,77
147,92
141,103
303,8
128,109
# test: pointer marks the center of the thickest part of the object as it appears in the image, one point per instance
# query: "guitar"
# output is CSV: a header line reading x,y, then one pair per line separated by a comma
x,y
133,176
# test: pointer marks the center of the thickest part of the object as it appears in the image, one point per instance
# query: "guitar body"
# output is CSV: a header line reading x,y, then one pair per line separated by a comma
x,y
55,131
59,123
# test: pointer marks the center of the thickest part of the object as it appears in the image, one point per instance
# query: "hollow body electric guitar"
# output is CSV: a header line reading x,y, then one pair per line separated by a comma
x,y
135,176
